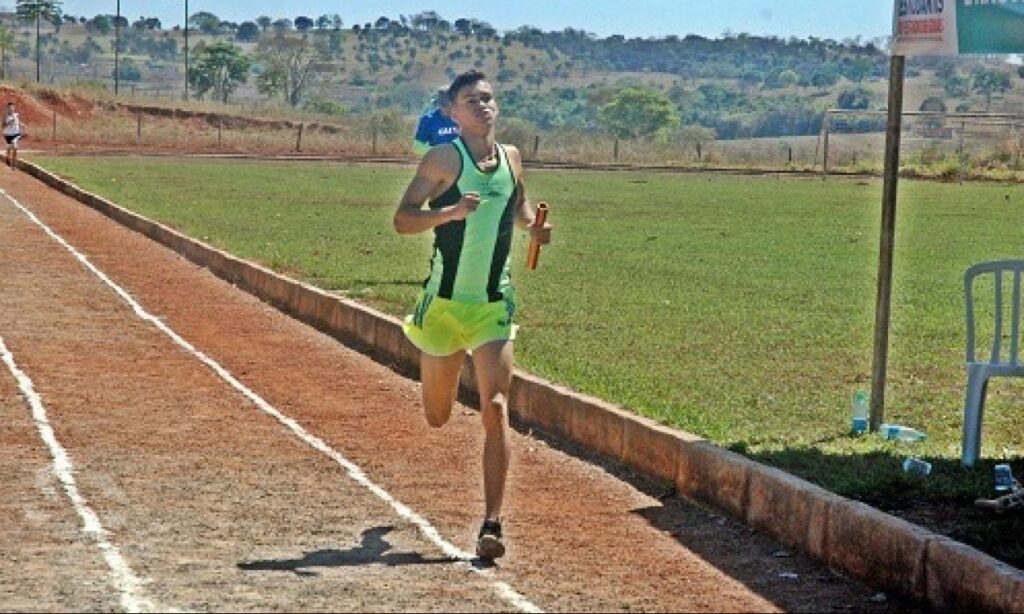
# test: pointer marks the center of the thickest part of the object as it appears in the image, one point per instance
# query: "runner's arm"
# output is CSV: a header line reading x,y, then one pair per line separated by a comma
x,y
436,172
525,212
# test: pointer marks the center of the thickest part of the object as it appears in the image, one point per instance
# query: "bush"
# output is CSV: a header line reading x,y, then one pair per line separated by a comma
x,y
325,106
518,132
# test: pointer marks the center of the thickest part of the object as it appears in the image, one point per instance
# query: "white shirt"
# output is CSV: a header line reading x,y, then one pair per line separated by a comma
x,y
12,124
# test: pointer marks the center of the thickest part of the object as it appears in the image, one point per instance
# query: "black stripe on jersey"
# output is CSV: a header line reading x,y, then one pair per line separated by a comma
x,y
448,238
503,242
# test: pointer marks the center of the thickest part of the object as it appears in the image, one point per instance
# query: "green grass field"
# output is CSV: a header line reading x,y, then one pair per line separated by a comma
x,y
737,308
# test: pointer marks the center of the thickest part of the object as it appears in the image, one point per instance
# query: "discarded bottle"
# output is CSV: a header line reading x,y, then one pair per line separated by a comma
x,y
860,412
1003,477
899,432
917,466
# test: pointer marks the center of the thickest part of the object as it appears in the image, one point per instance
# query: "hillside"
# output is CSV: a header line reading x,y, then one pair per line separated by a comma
x,y
736,86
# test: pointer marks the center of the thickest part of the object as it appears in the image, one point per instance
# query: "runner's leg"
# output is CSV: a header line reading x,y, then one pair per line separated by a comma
x,y
440,378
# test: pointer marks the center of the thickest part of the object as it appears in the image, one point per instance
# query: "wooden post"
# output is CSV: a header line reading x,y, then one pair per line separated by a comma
x,y
824,148
961,154
220,126
298,141
887,240
536,144
615,151
790,154
138,127
700,155
54,138
375,140
1015,145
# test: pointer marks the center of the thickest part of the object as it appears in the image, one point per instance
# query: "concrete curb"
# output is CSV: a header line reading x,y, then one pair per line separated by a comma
x,y
883,550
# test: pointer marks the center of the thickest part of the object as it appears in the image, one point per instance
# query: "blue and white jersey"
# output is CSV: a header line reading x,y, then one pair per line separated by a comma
x,y
436,128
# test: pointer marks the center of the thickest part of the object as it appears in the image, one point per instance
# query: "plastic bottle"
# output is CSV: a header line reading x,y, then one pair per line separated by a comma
x,y
1003,477
917,466
860,412
899,432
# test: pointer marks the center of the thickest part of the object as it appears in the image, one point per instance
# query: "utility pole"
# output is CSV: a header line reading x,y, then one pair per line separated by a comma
x,y
117,48
186,49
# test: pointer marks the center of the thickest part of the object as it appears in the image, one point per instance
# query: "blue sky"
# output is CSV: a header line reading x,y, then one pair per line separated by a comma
x,y
836,19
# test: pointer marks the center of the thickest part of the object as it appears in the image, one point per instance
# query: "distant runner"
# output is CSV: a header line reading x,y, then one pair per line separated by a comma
x,y
436,127
12,133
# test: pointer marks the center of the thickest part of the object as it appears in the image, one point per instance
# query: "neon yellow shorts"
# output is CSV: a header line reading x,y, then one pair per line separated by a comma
x,y
441,327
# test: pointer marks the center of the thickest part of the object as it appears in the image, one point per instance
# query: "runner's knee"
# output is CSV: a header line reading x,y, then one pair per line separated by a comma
x,y
495,410
436,412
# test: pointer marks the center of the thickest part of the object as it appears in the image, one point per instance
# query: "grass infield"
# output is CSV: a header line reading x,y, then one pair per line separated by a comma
x,y
737,308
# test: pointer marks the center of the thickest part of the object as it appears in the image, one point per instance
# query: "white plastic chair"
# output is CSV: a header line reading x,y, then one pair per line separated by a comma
x,y
979,372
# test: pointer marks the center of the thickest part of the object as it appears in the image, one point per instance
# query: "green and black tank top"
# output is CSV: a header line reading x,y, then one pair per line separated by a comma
x,y
470,263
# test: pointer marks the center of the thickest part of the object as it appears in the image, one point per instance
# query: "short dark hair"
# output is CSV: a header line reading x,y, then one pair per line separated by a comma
x,y
466,79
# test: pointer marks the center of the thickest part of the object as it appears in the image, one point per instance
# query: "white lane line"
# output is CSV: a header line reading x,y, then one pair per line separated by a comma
x,y
504,590
121,575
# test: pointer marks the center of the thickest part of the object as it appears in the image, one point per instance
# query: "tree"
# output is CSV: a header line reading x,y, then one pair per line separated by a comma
x,y
854,98
205,22
146,23
825,77
264,22
101,24
38,10
788,78
128,71
282,25
289,65
990,83
303,23
636,112
248,32
6,44
933,104
219,68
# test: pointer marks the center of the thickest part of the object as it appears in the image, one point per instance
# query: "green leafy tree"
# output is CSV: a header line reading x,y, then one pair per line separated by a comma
x,y
264,22
290,66
788,78
990,83
127,70
205,22
100,24
854,98
248,31
636,112
7,42
218,68
38,10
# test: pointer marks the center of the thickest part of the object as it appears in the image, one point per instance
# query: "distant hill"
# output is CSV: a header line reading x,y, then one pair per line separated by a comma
x,y
738,86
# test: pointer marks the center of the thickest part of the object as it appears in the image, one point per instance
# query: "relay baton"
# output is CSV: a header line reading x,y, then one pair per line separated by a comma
x,y
534,253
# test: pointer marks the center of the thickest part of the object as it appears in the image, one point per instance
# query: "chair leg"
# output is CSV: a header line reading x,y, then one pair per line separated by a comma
x,y
974,410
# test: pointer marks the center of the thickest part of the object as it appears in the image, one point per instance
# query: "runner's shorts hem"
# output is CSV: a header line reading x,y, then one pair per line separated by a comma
x,y
441,327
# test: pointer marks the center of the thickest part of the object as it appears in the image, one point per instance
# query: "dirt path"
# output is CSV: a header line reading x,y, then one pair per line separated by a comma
x,y
214,504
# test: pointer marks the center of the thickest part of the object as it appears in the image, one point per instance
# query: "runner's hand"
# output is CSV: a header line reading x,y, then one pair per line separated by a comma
x,y
540,234
466,205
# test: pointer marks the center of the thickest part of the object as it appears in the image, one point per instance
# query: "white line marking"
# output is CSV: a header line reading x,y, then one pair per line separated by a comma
x,y
121,576
503,589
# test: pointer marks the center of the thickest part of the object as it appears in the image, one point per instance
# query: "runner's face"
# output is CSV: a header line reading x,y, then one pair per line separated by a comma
x,y
475,108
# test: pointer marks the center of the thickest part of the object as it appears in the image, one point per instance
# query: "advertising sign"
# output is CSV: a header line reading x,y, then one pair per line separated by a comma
x,y
958,27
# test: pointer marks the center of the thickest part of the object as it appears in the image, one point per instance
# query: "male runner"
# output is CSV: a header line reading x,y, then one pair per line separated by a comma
x,y
476,193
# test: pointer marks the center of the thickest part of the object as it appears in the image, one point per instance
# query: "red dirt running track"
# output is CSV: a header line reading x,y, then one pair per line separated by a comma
x,y
187,492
